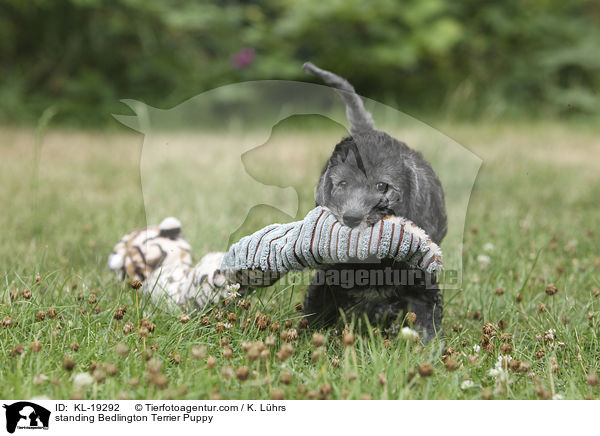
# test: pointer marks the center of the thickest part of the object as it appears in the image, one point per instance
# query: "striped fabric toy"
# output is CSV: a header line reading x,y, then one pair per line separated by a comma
x,y
320,239
159,256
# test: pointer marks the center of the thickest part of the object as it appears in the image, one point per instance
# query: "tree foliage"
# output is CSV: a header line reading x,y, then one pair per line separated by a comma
x,y
467,58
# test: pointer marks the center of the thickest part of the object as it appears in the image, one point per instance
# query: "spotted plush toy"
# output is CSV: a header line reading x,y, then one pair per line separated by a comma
x,y
142,251
160,257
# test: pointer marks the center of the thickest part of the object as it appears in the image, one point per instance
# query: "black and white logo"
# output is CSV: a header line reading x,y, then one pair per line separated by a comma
x,y
26,415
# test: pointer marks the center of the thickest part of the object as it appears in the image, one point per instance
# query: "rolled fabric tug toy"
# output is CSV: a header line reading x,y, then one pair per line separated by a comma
x,y
316,241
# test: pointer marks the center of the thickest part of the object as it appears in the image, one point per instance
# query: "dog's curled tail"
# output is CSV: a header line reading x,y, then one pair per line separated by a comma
x,y
360,120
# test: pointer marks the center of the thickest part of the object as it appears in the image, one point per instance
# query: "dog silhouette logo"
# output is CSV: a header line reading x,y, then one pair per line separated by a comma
x,y
26,415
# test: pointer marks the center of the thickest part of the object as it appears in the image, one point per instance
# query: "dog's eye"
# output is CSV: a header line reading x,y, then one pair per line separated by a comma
x,y
342,184
381,187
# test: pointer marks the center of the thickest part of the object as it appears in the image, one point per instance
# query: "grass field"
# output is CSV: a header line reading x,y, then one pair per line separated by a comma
x,y
532,221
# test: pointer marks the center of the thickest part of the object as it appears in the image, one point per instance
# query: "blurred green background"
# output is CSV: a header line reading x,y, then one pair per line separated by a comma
x,y
465,59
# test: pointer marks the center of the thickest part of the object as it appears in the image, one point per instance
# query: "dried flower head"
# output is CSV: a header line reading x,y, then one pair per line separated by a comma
x,y
277,394
451,364
303,324
198,351
316,355
499,291
35,346
144,322
159,380
227,372
68,363
41,315
176,358
488,329
51,312
265,354
325,389
348,339
542,308
8,321
211,362
551,289
270,341
147,354
143,332
119,313
261,321
487,394
27,294
410,318
183,319
285,351
253,352
543,393
506,349
154,366
242,373
136,284
425,369
128,328
285,377
227,352
592,379
318,339
244,304
110,368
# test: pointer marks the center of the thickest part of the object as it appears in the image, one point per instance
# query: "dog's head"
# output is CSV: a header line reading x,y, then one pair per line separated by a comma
x,y
371,175
367,177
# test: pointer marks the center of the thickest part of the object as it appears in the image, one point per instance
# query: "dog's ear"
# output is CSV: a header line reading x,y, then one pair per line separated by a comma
x,y
324,187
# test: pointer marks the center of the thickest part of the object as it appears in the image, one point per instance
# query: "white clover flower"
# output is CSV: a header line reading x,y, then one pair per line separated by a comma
x,y
499,371
409,334
484,259
82,380
476,348
467,384
488,247
557,397
550,335
494,372
39,379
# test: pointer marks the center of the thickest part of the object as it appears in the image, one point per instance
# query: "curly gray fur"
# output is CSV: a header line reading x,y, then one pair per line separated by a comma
x,y
370,175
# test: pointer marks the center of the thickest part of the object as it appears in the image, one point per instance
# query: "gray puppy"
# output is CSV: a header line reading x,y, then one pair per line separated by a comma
x,y
371,175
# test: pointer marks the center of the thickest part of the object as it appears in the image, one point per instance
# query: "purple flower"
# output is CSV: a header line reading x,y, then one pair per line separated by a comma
x,y
242,58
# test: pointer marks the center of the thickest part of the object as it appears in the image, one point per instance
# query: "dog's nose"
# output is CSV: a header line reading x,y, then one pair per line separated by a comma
x,y
352,220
